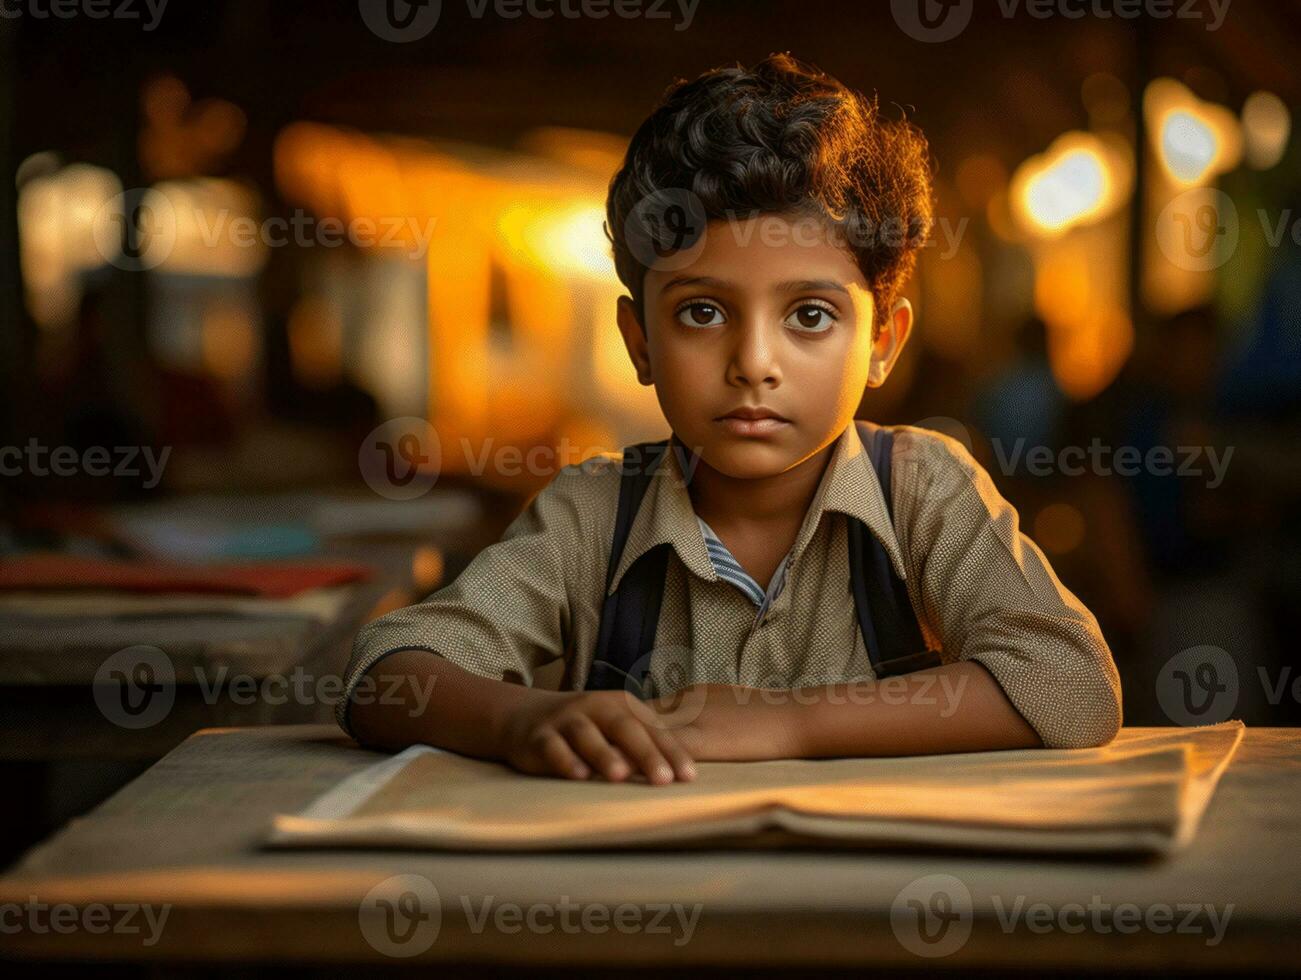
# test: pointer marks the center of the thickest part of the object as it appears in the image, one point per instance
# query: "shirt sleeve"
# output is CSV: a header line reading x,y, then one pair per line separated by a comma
x,y
509,611
993,598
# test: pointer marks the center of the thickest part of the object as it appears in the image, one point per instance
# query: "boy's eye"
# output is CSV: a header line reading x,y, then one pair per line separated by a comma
x,y
700,315
811,318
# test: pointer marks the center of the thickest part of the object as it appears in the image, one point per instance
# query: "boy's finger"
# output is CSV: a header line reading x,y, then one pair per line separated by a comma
x,y
631,736
591,744
684,766
560,759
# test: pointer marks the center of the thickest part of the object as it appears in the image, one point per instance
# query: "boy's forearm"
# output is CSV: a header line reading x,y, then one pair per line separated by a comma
x,y
954,708
418,697
958,707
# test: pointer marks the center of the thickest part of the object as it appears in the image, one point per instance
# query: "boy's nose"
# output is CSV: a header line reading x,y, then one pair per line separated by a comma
x,y
754,357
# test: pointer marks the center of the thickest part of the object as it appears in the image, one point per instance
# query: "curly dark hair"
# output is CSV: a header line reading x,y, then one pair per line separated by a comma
x,y
781,137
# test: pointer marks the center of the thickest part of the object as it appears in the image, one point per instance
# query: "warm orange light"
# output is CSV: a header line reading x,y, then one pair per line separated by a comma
x,y
1080,295
1194,140
57,211
565,237
1266,126
1080,179
1059,528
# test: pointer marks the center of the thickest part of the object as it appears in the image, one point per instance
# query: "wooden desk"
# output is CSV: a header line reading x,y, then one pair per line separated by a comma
x,y
188,833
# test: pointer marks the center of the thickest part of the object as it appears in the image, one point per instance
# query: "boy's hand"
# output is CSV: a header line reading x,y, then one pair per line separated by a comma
x,y
731,723
607,733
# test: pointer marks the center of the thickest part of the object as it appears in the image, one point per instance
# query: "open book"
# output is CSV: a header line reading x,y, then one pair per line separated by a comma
x,y
1145,793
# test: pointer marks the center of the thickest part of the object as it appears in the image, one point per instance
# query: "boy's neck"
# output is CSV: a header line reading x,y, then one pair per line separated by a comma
x,y
778,500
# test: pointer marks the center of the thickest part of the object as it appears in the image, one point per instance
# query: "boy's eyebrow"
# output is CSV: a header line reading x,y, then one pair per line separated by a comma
x,y
697,281
791,286
811,285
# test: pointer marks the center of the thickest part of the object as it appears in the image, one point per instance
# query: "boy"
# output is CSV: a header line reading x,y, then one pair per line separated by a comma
x,y
759,324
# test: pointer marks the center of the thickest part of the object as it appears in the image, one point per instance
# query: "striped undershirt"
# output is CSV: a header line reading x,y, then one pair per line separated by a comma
x,y
729,569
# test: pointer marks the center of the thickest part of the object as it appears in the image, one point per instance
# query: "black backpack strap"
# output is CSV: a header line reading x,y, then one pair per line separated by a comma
x,y
891,633
630,616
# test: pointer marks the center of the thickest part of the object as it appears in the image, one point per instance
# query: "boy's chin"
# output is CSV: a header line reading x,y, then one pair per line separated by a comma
x,y
749,459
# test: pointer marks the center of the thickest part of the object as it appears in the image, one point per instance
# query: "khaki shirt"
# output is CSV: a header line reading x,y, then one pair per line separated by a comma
x,y
982,589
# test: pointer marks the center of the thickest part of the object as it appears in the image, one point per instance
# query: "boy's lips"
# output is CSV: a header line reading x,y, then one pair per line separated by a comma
x,y
756,420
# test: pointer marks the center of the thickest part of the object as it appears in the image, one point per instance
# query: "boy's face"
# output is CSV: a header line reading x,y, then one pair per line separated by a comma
x,y
771,313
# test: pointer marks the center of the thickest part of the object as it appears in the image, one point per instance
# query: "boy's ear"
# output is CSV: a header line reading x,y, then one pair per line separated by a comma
x,y
634,338
889,342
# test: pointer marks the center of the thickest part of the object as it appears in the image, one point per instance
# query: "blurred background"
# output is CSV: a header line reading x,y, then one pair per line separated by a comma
x,y
280,251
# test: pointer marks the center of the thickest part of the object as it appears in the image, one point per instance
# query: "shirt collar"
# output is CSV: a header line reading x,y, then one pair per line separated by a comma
x,y
848,486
